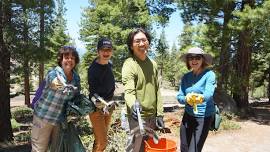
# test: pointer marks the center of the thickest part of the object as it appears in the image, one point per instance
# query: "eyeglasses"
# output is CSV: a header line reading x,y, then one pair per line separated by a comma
x,y
138,41
194,57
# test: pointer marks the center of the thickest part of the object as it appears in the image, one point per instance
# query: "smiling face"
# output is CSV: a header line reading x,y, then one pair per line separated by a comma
x,y
140,45
104,55
68,62
67,58
195,62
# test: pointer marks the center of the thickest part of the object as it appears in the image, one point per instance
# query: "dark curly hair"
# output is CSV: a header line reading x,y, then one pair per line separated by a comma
x,y
131,37
66,50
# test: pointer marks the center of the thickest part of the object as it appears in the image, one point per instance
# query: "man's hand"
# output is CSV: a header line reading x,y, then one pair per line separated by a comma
x,y
159,122
134,108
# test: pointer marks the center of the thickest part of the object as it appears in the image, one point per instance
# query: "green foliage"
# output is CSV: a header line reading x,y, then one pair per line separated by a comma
x,y
221,33
22,114
86,60
116,136
83,126
162,52
115,19
23,137
15,125
259,92
228,122
59,36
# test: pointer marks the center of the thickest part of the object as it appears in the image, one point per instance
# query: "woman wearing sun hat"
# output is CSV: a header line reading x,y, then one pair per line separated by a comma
x,y
196,92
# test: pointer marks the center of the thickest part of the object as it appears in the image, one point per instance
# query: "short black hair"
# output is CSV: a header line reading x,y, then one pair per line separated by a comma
x,y
131,37
66,50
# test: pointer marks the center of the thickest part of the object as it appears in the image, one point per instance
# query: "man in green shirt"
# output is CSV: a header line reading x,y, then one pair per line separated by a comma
x,y
140,79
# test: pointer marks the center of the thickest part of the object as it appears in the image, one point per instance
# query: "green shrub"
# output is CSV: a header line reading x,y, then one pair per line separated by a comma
x,y
15,125
22,114
116,136
259,92
83,127
23,137
228,122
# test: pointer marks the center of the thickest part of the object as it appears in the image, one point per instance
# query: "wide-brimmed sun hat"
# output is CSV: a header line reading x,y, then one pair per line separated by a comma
x,y
197,51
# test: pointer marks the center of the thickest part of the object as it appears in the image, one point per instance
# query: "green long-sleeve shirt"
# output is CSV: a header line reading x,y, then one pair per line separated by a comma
x,y
140,79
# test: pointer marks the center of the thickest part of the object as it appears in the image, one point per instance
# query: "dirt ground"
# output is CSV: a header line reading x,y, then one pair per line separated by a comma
x,y
254,135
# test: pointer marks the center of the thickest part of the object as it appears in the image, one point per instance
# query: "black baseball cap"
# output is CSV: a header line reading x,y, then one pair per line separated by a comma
x,y
104,43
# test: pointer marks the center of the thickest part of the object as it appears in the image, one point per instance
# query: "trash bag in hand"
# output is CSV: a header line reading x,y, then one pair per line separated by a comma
x,y
68,140
80,105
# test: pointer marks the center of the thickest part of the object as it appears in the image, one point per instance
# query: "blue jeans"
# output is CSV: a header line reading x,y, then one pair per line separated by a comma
x,y
193,132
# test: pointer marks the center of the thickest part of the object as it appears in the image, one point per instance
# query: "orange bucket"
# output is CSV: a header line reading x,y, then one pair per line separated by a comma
x,y
164,145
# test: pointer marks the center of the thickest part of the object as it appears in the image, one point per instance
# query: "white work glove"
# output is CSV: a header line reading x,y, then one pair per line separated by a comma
x,y
56,84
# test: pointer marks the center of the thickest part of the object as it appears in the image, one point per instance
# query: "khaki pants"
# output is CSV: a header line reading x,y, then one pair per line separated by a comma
x,y
42,134
100,123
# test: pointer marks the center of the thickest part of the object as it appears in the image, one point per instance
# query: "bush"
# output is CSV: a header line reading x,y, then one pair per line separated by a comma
x,y
228,122
116,136
15,125
22,114
23,137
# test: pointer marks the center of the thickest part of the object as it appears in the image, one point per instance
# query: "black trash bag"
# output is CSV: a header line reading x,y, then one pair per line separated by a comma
x,y
68,140
80,105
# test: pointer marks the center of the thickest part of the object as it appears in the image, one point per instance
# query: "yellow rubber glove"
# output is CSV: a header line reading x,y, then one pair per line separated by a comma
x,y
199,98
189,99
56,84
194,97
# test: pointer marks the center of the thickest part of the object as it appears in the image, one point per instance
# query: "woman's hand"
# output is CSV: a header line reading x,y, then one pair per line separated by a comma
x,y
56,84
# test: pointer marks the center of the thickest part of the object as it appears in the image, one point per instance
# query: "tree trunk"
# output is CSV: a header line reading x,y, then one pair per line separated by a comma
x,y
26,82
268,88
42,30
26,62
224,60
243,58
5,116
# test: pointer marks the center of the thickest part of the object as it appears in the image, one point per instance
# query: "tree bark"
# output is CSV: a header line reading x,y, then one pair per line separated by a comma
x,y
224,60
42,30
243,58
26,62
268,88
5,116
26,83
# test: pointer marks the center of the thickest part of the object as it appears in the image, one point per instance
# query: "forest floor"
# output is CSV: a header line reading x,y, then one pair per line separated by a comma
x,y
253,135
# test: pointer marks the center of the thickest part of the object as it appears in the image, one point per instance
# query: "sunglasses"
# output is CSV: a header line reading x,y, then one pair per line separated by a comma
x,y
194,57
